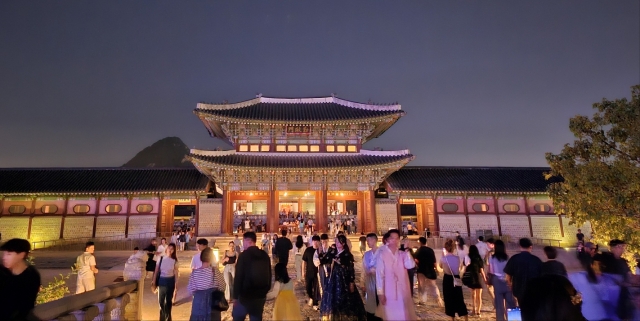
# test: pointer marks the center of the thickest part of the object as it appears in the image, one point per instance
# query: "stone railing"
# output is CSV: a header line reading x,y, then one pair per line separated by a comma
x,y
118,301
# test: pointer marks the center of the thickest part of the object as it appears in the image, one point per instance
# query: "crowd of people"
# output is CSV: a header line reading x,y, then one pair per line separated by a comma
x,y
520,285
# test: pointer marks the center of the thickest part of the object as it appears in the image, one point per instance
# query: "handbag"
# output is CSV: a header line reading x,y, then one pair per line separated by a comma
x,y
154,289
456,278
467,276
218,301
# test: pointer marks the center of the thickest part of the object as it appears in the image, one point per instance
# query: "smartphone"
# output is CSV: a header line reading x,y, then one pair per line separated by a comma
x,y
401,247
514,314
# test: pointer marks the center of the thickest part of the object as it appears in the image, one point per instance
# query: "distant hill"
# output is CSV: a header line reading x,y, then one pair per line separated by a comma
x,y
167,152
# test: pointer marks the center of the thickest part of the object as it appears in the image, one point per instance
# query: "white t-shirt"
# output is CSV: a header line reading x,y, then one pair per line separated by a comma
x,y
84,263
162,249
483,249
196,263
167,267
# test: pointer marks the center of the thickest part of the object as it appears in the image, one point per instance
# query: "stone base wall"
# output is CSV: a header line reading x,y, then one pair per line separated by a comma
x,y
110,225
515,226
141,226
483,222
45,228
210,217
78,227
570,231
14,227
386,215
546,227
449,223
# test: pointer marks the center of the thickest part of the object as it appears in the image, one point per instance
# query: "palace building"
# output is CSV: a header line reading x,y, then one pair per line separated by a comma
x,y
290,156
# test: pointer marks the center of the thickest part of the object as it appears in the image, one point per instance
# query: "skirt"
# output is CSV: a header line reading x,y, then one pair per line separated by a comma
x,y
286,307
453,299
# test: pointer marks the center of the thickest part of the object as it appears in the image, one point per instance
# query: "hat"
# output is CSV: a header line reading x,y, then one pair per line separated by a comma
x,y
589,245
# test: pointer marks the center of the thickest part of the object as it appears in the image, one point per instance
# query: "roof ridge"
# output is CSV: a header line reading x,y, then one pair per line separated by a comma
x,y
308,100
94,168
478,167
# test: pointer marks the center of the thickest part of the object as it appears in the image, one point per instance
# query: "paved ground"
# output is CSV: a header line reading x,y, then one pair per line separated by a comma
x,y
111,264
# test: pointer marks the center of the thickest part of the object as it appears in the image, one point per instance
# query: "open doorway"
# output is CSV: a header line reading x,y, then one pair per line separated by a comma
x,y
184,217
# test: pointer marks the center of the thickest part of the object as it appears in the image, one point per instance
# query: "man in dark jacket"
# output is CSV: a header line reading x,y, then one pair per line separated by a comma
x,y
283,246
252,281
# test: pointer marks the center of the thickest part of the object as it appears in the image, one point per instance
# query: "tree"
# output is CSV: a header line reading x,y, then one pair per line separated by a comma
x,y
601,171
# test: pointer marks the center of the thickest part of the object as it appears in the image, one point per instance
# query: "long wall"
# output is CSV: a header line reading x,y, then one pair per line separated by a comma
x,y
52,218
507,215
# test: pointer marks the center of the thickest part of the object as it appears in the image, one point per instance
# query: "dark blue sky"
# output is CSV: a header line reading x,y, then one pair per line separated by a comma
x,y
90,83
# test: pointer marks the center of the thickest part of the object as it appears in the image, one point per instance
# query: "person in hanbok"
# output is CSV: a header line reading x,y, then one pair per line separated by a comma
x,y
369,277
284,308
202,282
341,299
392,283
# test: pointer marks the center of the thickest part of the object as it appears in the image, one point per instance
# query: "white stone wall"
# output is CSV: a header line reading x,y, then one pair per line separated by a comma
x,y
110,225
77,226
449,223
210,217
483,222
546,227
570,231
14,227
46,228
516,226
386,214
141,226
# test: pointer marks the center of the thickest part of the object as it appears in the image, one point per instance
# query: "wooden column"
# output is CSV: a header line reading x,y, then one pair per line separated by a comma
x,y
398,213
495,205
321,210
369,213
273,220
466,214
197,214
526,208
33,205
436,218
95,216
1,204
64,215
126,222
561,227
29,228
160,213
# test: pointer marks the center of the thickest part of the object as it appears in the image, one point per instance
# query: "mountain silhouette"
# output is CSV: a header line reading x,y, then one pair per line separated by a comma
x,y
167,152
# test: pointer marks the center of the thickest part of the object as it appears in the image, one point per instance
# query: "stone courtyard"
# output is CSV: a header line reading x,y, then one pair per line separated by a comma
x,y
111,265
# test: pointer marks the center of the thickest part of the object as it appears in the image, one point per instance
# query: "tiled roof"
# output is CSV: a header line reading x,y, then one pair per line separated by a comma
x,y
471,179
100,180
296,110
300,160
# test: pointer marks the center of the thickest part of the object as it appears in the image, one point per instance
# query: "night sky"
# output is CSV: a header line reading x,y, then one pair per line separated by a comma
x,y
91,83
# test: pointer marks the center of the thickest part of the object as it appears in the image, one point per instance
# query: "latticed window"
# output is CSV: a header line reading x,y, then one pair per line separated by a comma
x,y
542,208
511,208
49,209
17,209
113,208
144,208
450,207
81,209
480,207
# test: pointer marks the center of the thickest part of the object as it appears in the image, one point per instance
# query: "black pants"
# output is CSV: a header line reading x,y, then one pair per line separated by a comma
x,y
412,273
166,287
312,286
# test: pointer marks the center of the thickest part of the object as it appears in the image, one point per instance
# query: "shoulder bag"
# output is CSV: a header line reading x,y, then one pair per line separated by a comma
x,y
456,278
154,289
218,301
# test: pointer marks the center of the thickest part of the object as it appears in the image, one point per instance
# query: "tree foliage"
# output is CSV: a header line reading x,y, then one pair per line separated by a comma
x,y
601,171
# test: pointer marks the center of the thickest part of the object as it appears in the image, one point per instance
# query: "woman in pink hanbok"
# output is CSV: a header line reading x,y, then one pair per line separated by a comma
x,y
393,288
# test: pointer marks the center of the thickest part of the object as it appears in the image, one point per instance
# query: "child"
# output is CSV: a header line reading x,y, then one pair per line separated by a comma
x,y
282,291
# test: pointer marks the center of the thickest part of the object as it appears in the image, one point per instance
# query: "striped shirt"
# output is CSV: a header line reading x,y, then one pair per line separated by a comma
x,y
206,278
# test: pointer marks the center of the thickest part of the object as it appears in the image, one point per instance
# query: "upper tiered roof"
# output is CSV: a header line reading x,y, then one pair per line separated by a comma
x,y
233,159
297,110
